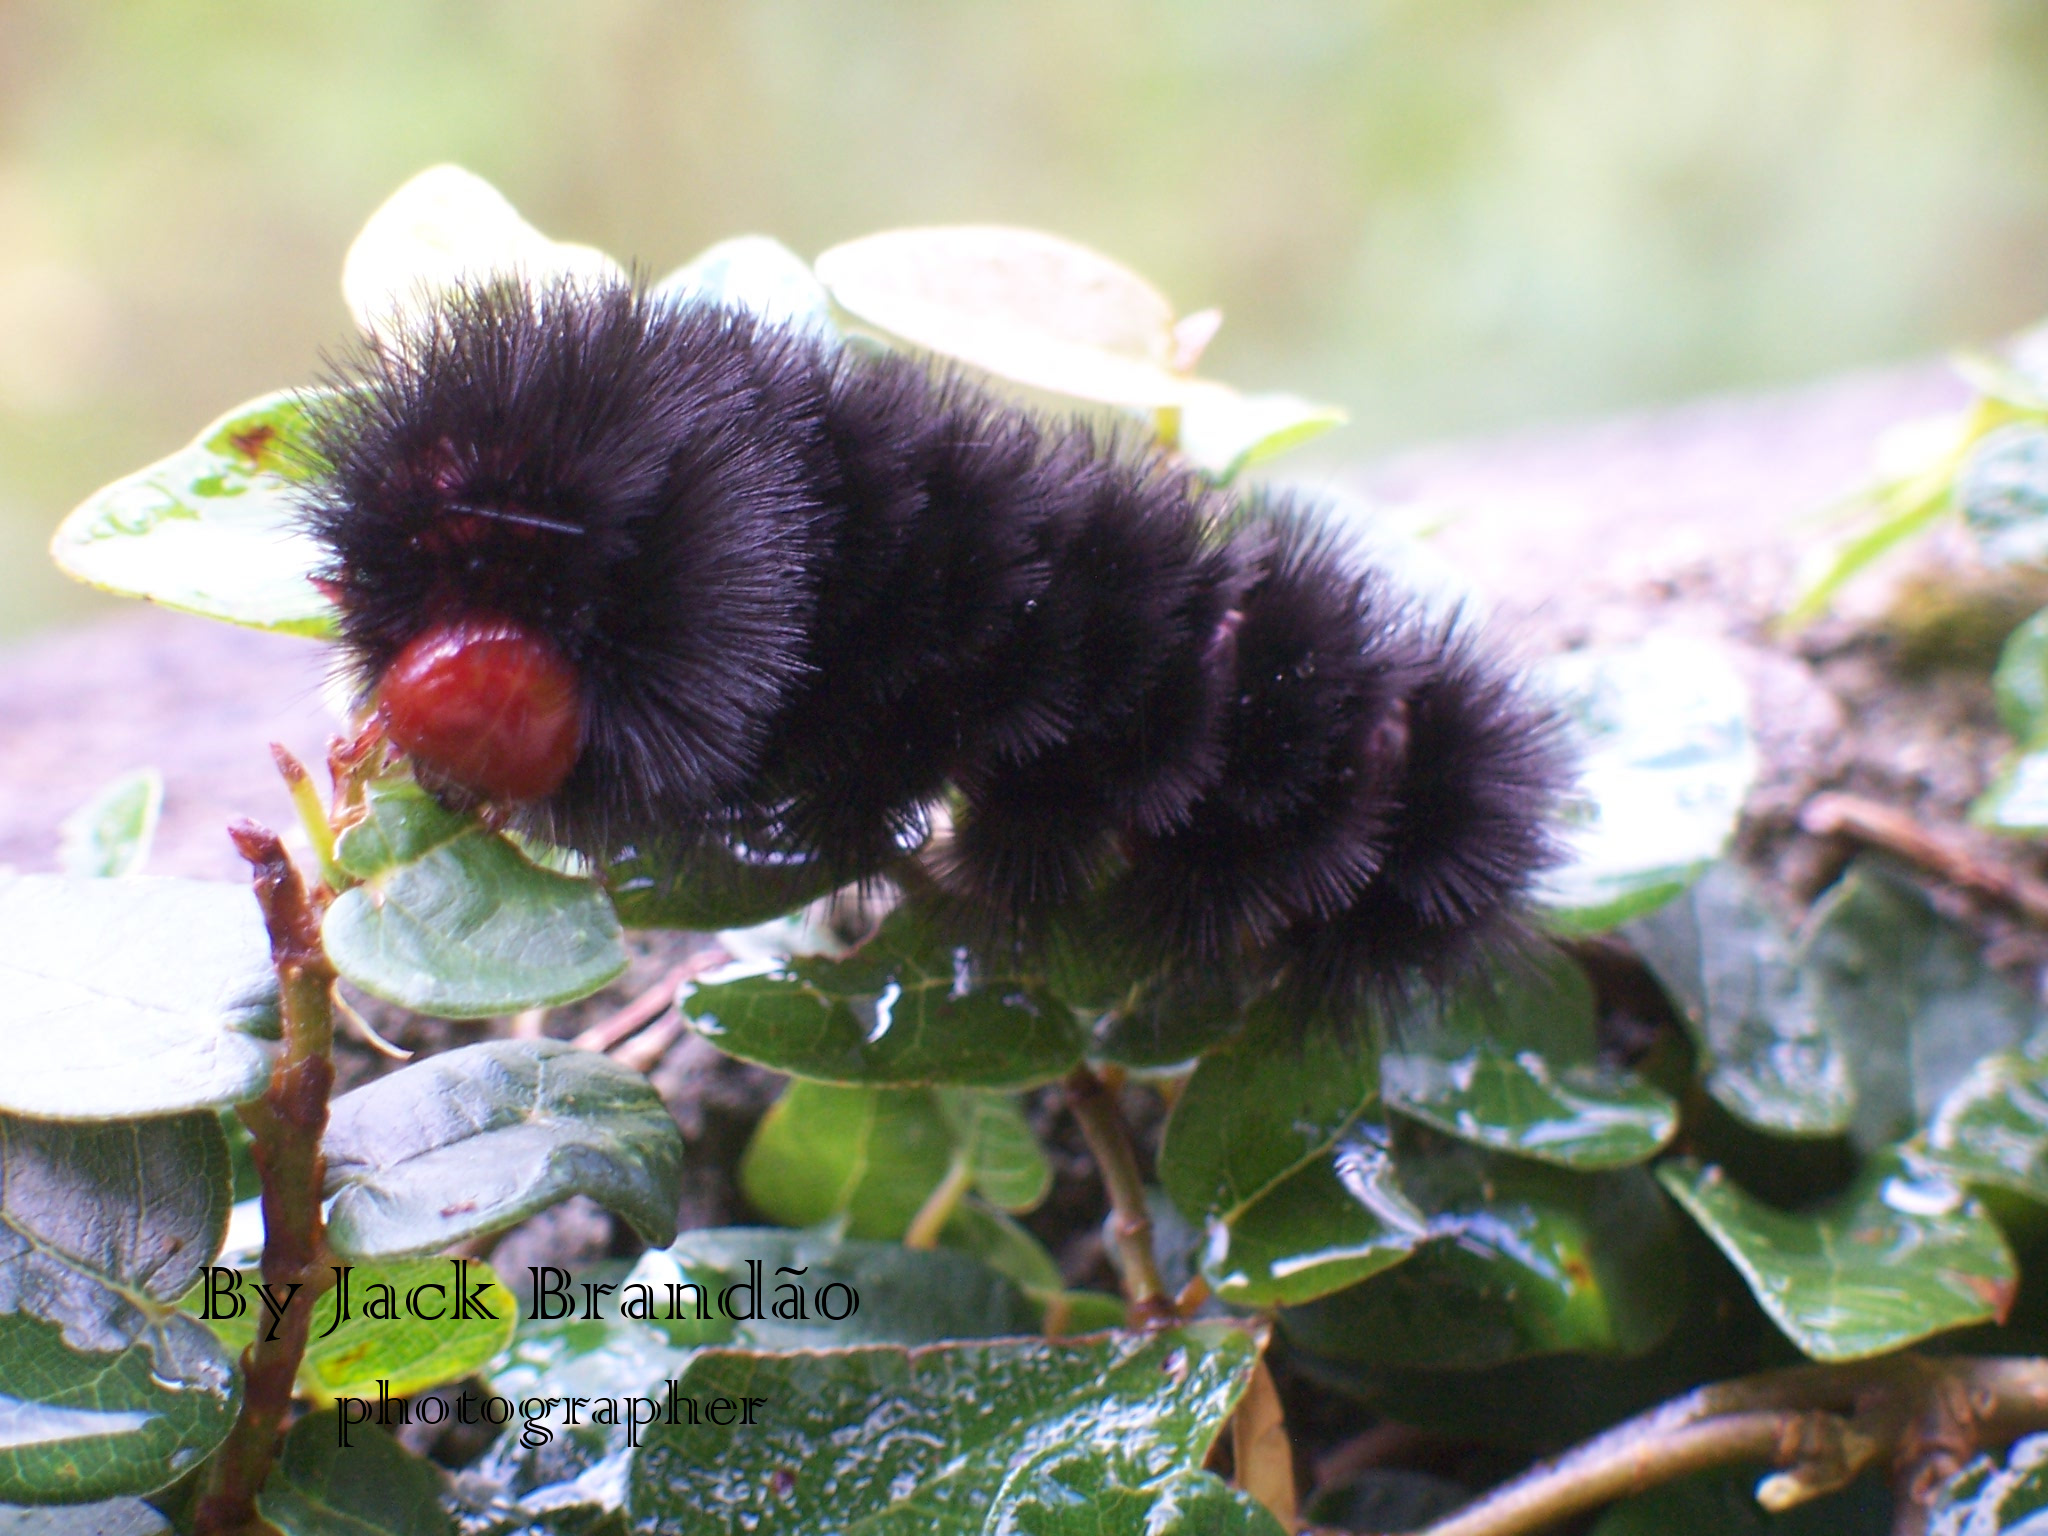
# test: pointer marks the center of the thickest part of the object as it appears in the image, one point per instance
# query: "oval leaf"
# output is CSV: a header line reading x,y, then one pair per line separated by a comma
x,y
1512,1065
452,920
1901,1255
1522,1260
476,1139
213,529
373,1488
1226,433
909,1006
757,274
126,998
1769,1053
969,1427
1666,761
1907,992
712,887
1021,304
109,836
1993,1126
869,1156
444,227
105,1387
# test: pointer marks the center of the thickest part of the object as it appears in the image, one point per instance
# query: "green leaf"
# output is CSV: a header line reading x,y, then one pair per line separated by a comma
x,y
996,1142
1666,761
110,834
1164,1020
868,1155
2002,491
1522,1260
757,274
214,529
1770,1054
126,998
1985,1499
453,921
968,1430
372,1488
105,1387
2017,800
1261,1148
909,1006
1513,1065
712,887
906,1296
1908,993
114,1517
407,1353
1902,1254
474,1140
1005,1246
1993,1126
1905,508
1226,433
1070,1493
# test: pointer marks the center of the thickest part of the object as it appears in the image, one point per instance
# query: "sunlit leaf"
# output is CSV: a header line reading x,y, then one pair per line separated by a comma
x,y
868,1155
1899,1256
1666,761
121,998
757,274
213,529
1226,433
110,834
452,920
473,1140
444,227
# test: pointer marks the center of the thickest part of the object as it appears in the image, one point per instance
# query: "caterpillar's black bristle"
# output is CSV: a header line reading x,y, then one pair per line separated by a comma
x,y
807,592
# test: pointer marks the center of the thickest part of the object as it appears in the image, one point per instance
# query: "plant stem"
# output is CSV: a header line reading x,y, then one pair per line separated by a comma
x,y
1822,1424
287,1124
1109,1139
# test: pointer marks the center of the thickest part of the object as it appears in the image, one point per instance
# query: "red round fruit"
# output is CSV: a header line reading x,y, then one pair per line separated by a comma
x,y
486,704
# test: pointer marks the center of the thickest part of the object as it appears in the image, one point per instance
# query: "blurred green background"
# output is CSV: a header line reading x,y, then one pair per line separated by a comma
x,y
1451,216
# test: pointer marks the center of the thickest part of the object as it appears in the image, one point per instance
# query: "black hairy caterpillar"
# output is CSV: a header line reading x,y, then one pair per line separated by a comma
x,y
645,573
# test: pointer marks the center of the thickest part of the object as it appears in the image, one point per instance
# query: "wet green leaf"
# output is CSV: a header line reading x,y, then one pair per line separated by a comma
x,y
2002,492
1073,1492
1262,1147
110,834
373,1488
1993,1126
909,1006
1908,994
757,274
1899,1256
105,1387
1165,1020
123,998
473,1140
954,1434
1986,1499
711,887
213,529
1769,1052
1521,1259
1667,759
453,921
1512,1064
407,1353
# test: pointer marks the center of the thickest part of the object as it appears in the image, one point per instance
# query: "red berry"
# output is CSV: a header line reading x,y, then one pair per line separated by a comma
x,y
486,704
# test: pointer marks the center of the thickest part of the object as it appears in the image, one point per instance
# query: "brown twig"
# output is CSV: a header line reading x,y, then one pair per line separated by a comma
x,y
286,1125
1943,853
1822,1425
1109,1139
650,1005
